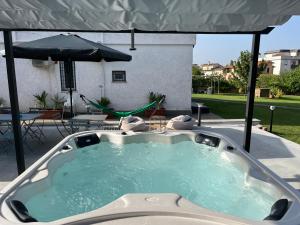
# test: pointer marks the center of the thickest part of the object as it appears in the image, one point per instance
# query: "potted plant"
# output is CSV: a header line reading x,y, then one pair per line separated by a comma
x,y
41,99
160,110
58,101
103,102
47,112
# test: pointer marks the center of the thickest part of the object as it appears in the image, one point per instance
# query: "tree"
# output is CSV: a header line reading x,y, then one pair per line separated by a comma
x,y
268,81
261,67
290,81
201,83
287,82
242,68
196,70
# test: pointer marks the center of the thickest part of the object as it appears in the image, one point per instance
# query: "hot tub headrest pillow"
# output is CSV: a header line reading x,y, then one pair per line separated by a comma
x,y
182,118
278,210
131,119
20,211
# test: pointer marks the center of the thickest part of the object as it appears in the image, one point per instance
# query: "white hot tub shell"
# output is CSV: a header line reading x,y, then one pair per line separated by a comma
x,y
149,208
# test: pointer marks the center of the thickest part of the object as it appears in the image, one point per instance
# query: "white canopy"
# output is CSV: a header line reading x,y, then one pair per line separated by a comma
x,y
146,15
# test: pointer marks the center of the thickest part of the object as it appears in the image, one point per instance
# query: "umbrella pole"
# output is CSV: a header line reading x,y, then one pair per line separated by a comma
x,y
71,104
71,108
13,95
70,76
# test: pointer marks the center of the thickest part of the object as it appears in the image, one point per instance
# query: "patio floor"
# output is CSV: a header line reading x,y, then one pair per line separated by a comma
x,y
8,167
278,154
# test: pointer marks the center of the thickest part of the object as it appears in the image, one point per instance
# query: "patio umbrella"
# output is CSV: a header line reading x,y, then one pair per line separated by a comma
x,y
68,48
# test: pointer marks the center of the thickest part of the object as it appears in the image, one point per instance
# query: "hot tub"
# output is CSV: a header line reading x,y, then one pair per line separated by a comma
x,y
188,177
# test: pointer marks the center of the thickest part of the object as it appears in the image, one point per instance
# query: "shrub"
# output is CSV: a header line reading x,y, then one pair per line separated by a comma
x,y
196,70
291,81
288,82
226,86
104,101
200,84
268,81
276,92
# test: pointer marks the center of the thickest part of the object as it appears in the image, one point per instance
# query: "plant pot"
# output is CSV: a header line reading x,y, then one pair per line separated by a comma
x,y
158,112
109,115
50,114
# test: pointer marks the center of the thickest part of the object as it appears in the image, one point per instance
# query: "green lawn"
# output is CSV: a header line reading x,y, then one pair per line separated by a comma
x,y
286,121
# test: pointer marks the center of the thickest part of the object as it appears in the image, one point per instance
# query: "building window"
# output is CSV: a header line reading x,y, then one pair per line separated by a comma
x,y
294,64
64,80
119,76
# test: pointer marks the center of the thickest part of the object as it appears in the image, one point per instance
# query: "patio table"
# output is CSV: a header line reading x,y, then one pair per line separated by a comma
x,y
86,119
27,120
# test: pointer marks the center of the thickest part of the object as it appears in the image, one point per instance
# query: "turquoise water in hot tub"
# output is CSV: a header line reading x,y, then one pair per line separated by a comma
x,y
101,173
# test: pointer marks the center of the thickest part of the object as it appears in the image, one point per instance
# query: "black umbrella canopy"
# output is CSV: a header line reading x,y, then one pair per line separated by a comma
x,y
68,47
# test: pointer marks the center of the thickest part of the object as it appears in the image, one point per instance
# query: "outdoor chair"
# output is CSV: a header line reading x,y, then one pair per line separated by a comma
x,y
38,125
66,122
6,140
56,116
5,110
4,127
67,107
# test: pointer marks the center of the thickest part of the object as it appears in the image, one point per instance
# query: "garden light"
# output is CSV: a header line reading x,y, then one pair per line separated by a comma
x,y
272,108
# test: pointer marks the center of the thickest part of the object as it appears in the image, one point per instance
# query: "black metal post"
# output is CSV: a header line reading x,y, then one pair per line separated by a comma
x,y
68,66
251,92
271,121
132,48
272,108
14,103
199,116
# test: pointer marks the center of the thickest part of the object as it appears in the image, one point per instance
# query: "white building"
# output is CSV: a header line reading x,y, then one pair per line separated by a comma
x,y
283,60
162,63
212,69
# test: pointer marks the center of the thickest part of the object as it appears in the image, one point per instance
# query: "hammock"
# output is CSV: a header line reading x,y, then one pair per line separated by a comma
x,y
118,113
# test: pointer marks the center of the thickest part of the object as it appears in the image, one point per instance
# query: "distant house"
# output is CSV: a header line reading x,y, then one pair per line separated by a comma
x,y
228,72
162,63
212,69
282,60
268,64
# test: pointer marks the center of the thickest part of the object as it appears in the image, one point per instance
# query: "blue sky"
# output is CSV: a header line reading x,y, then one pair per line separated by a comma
x,y
223,48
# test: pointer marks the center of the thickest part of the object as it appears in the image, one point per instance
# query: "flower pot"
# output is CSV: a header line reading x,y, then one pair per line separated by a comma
x,y
50,114
109,114
158,112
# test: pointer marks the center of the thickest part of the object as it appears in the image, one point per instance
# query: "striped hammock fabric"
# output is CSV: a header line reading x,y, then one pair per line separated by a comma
x,y
120,114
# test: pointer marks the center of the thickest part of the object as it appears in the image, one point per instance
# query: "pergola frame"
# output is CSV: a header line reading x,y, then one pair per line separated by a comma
x,y
12,85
